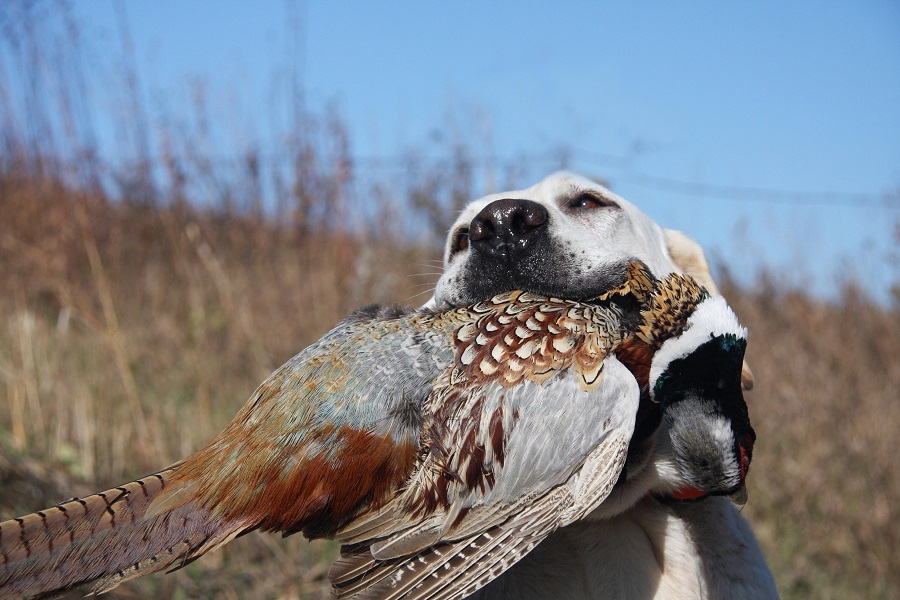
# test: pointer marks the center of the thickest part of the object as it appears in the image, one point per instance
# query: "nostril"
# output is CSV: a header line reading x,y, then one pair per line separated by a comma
x,y
481,229
534,215
527,219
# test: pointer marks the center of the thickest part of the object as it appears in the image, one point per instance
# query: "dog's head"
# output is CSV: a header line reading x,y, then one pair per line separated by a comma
x,y
568,237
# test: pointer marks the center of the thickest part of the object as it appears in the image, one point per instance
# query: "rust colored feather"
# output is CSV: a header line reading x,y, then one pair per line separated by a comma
x,y
315,499
637,355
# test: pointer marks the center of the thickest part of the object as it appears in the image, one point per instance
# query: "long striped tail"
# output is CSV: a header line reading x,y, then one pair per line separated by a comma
x,y
106,538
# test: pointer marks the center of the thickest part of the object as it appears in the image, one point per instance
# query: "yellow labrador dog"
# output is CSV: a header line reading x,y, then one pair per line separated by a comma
x,y
570,237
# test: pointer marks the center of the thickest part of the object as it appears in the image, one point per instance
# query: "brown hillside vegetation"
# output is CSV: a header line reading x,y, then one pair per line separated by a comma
x,y
142,302
132,332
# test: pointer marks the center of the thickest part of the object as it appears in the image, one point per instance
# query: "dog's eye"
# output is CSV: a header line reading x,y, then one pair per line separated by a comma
x,y
587,202
460,241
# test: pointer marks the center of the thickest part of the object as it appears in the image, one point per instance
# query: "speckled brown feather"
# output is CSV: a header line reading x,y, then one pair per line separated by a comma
x,y
666,306
672,302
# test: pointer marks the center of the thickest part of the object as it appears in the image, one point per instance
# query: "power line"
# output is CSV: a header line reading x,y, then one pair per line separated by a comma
x,y
740,193
556,159
762,194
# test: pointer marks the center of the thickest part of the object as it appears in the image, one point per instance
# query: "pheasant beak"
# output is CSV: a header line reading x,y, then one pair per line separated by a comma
x,y
739,497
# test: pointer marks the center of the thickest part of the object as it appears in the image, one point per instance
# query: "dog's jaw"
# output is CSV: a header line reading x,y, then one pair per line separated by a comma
x,y
573,280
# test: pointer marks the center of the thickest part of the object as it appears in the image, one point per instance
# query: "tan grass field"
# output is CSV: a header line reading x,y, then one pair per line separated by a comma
x,y
131,333
132,329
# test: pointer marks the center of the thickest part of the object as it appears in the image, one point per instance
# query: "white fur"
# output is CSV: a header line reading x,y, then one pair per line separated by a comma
x,y
632,546
713,317
653,551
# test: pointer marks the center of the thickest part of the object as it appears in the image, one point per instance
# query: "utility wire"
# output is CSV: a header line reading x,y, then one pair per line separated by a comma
x,y
563,159
761,194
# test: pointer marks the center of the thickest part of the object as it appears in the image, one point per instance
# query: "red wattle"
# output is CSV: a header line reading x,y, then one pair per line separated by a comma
x,y
745,449
688,493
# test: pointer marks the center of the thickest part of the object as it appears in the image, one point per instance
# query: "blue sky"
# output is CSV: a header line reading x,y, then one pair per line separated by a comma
x,y
801,96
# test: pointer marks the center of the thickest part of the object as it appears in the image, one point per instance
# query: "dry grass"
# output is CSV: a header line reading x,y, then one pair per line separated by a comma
x,y
132,334
825,489
133,328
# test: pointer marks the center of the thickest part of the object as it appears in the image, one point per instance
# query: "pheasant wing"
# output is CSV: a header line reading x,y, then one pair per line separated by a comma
x,y
333,430
563,452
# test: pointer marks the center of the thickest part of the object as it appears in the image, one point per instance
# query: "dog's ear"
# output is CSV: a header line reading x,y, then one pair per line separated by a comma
x,y
689,256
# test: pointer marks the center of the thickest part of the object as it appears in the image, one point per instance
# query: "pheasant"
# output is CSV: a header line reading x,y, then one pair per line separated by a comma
x,y
438,447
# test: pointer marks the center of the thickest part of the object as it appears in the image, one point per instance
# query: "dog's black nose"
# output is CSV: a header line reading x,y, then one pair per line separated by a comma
x,y
507,228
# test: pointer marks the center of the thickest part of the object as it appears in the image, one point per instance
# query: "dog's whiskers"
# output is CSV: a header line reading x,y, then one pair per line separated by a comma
x,y
416,295
430,265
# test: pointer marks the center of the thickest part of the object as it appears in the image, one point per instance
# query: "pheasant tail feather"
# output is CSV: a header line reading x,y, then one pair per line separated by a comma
x,y
105,538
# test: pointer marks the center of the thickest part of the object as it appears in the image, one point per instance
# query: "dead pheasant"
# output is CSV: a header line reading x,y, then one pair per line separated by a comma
x,y
438,447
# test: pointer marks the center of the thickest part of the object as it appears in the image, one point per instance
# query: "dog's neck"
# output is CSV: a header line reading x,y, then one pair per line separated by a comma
x,y
651,470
